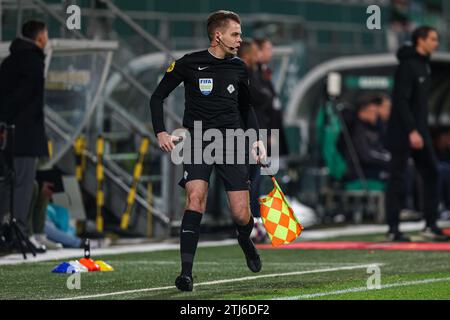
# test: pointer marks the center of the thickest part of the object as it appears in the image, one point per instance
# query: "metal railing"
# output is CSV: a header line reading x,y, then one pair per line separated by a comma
x,y
126,75
59,126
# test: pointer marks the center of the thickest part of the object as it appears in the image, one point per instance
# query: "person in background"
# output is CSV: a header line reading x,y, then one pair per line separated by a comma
x,y
384,105
441,142
249,53
410,211
408,136
273,103
22,105
261,97
366,137
42,195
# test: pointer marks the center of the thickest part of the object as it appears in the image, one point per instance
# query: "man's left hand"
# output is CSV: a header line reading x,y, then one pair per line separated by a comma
x,y
259,152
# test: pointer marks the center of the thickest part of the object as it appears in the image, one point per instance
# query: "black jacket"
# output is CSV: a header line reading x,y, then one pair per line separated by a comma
x,y
261,97
409,99
22,97
216,92
270,114
369,147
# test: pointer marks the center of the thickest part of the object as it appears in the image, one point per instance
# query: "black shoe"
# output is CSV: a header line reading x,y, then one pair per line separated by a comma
x,y
397,237
184,283
434,234
251,254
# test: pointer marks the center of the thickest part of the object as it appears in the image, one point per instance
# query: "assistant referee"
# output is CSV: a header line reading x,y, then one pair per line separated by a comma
x,y
216,86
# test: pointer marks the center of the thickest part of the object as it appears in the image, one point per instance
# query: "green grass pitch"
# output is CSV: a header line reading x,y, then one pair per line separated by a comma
x,y
318,274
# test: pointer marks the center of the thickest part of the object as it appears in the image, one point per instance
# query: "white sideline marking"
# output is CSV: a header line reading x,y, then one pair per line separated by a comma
x,y
213,263
362,289
77,253
272,275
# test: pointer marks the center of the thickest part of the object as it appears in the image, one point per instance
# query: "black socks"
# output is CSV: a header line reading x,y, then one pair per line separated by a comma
x,y
245,231
244,239
189,234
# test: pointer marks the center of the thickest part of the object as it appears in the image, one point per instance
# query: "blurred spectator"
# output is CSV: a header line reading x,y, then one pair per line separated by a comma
x,y
410,210
58,229
367,140
249,53
408,134
261,98
22,105
441,142
384,105
400,25
272,102
43,193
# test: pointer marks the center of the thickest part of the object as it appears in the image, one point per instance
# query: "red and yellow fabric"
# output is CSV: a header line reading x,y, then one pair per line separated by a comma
x,y
278,217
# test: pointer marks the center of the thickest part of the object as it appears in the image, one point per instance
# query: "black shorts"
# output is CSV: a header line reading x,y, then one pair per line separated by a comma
x,y
235,176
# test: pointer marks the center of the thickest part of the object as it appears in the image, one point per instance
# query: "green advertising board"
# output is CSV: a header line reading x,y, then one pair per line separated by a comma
x,y
369,82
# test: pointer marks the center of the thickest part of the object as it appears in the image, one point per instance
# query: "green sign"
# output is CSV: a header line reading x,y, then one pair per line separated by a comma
x,y
369,82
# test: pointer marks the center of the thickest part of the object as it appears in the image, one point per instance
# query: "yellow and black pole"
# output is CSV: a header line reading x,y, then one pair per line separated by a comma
x,y
133,189
50,148
80,157
100,175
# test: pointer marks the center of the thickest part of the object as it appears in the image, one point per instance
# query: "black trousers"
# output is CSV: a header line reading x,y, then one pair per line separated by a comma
x,y
426,163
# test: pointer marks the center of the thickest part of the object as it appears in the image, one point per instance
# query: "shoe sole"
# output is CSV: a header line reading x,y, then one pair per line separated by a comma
x,y
182,287
255,270
185,289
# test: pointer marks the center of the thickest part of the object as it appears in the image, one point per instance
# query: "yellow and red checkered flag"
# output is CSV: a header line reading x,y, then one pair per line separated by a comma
x,y
278,217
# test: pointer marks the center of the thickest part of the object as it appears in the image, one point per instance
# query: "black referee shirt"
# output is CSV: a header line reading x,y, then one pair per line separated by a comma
x,y
216,92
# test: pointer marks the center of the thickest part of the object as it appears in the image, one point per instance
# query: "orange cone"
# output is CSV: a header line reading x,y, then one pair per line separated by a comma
x,y
90,264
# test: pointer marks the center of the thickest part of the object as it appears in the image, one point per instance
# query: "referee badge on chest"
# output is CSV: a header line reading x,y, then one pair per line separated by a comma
x,y
205,85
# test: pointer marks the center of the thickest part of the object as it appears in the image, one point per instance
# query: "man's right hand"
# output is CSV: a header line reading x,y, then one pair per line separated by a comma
x,y
47,190
165,141
415,140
